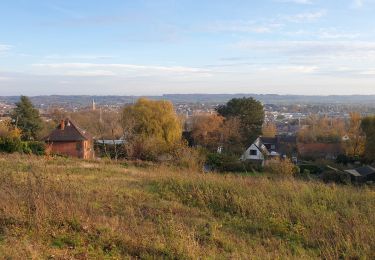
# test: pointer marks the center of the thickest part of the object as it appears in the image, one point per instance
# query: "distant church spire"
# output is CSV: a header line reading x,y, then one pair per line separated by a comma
x,y
93,105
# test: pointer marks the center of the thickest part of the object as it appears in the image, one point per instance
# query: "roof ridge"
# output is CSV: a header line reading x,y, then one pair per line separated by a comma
x,y
80,131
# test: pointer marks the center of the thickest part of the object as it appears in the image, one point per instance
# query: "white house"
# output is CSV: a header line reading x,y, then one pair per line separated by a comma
x,y
266,147
257,152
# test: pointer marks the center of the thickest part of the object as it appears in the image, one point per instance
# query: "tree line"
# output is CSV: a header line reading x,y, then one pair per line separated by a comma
x,y
154,132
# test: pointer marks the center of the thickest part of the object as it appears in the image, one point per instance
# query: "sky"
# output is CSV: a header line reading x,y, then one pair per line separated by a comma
x,y
153,47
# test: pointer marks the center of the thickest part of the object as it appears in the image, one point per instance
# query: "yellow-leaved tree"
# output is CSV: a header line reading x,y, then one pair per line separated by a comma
x,y
151,129
269,129
355,143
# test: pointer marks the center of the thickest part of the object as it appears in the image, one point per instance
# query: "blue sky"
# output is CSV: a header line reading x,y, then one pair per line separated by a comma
x,y
148,47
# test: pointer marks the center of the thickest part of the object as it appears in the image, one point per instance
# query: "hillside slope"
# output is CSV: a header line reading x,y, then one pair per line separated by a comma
x,y
66,208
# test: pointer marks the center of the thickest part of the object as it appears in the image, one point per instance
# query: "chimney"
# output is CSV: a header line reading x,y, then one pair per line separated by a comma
x,y
62,124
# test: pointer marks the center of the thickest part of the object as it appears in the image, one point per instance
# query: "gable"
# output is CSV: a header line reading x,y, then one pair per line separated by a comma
x,y
67,131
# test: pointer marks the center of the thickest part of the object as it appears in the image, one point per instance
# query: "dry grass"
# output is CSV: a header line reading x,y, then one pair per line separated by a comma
x,y
68,209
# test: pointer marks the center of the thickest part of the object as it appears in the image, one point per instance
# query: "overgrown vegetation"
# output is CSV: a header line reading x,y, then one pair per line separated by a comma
x,y
64,208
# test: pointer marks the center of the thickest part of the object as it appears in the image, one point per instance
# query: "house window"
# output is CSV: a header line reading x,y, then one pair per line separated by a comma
x,y
273,147
253,152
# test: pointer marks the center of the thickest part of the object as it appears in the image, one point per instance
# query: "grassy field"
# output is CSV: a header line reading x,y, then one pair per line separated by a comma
x,y
70,209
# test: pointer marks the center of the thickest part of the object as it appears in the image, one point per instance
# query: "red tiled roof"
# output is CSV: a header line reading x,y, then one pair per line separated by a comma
x,y
70,132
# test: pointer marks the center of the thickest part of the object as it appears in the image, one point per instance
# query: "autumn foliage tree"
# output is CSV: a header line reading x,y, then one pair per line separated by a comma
x,y
207,130
152,129
10,137
322,130
212,131
355,145
269,130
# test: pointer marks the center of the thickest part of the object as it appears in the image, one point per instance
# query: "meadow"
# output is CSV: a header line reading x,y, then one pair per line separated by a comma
x,y
71,209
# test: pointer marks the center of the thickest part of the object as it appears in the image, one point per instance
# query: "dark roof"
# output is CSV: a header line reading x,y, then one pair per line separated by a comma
x,y
292,139
70,133
281,144
362,171
268,140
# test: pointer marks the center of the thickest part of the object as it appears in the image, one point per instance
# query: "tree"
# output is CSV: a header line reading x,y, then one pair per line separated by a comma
x,y
27,119
355,145
232,140
206,130
269,130
152,128
250,112
10,138
322,129
368,127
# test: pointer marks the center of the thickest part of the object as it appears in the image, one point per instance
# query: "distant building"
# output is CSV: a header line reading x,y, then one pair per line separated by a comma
x,y
70,140
93,105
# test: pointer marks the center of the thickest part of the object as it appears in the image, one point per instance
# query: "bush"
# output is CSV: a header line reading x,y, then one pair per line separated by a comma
x,y
37,148
336,177
11,145
281,167
187,157
15,145
312,168
229,163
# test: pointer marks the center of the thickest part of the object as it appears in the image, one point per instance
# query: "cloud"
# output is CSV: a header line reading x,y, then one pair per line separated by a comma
x,y
132,70
4,48
306,17
89,73
357,3
334,34
311,48
77,57
5,78
265,26
369,72
244,26
289,69
325,33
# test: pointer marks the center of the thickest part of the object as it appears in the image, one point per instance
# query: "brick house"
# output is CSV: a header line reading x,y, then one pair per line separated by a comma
x,y
70,140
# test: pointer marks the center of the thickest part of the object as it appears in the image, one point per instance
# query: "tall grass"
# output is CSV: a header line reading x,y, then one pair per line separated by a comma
x,y
72,209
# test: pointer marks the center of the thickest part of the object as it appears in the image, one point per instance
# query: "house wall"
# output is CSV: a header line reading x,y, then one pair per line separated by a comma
x,y
88,152
248,156
79,149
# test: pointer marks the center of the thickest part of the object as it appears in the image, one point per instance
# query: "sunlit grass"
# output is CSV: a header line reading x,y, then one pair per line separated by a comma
x,y
66,208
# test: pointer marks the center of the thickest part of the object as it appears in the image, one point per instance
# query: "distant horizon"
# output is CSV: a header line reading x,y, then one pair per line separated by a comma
x,y
170,94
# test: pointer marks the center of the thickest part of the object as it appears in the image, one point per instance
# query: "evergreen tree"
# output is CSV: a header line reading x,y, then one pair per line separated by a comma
x,y
26,117
250,112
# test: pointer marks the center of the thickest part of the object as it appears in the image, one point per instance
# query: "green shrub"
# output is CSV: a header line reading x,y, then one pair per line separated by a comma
x,y
336,177
312,168
229,163
11,145
37,148
15,145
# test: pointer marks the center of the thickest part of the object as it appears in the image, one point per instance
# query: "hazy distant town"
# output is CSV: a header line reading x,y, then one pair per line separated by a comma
x,y
287,112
